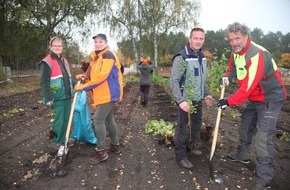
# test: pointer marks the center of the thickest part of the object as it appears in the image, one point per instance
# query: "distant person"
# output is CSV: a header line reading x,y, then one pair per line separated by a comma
x,y
105,81
189,71
261,84
145,66
57,88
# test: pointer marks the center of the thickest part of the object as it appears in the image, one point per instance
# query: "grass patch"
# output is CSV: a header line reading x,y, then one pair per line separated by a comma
x,y
20,85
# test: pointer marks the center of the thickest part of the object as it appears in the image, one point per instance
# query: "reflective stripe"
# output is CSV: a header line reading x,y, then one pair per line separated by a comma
x,y
253,70
274,65
240,63
55,77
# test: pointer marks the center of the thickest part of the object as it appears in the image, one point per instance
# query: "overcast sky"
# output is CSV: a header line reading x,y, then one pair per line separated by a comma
x,y
268,15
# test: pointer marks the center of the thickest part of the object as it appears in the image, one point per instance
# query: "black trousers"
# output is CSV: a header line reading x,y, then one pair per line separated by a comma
x,y
144,94
182,130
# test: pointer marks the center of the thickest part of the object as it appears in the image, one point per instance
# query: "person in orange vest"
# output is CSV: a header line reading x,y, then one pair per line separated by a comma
x,y
105,82
57,89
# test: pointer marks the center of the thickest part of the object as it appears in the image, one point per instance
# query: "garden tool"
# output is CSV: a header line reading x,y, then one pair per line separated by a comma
x,y
64,147
214,140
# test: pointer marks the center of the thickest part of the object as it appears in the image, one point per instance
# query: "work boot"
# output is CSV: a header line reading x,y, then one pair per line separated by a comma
x,y
101,156
235,158
185,163
115,149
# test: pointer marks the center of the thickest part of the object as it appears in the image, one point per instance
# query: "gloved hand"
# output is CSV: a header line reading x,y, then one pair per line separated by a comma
x,y
225,80
222,103
50,104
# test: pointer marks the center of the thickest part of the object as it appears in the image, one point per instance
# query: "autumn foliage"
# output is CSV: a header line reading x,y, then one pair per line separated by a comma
x,y
285,61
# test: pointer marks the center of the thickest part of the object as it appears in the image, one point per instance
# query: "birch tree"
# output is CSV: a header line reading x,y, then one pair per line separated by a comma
x,y
169,15
124,20
151,18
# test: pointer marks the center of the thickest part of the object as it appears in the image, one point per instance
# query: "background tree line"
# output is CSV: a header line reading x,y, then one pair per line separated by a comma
x,y
27,25
143,28
215,43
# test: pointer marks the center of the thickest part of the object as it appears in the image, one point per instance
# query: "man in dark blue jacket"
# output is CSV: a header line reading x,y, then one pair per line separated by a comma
x,y
187,82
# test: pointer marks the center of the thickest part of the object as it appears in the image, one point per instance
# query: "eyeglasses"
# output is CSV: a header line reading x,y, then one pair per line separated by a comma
x,y
58,46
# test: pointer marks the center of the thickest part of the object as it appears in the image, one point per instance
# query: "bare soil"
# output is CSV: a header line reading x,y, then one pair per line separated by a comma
x,y
28,162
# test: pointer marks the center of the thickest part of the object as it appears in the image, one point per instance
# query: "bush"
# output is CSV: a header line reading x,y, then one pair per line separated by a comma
x,y
165,61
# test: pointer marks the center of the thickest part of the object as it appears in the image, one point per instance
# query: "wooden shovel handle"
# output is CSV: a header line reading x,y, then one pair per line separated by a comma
x,y
216,129
70,118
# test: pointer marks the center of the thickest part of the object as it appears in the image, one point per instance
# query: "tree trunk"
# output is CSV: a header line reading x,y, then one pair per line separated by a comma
x,y
155,51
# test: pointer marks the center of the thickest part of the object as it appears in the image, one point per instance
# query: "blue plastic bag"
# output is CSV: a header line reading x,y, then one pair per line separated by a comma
x,y
82,130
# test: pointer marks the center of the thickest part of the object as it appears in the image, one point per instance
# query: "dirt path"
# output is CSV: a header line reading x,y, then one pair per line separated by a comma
x,y
27,162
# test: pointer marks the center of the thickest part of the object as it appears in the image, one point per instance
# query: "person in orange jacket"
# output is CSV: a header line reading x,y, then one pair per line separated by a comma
x,y
104,80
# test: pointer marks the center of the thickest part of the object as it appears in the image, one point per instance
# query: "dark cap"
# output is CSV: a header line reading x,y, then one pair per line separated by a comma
x,y
102,36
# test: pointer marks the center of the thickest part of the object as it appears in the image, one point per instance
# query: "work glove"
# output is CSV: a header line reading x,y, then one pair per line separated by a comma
x,y
222,103
225,80
50,104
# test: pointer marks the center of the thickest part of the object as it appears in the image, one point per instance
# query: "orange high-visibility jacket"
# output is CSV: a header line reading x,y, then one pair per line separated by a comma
x,y
105,78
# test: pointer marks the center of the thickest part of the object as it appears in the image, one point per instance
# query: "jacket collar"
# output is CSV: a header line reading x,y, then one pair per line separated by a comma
x,y
246,47
54,56
96,54
190,53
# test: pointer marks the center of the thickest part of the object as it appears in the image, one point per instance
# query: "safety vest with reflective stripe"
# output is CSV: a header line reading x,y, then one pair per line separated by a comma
x,y
56,77
257,75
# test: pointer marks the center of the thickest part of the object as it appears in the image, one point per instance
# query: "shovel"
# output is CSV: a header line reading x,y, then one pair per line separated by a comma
x,y
65,149
216,129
